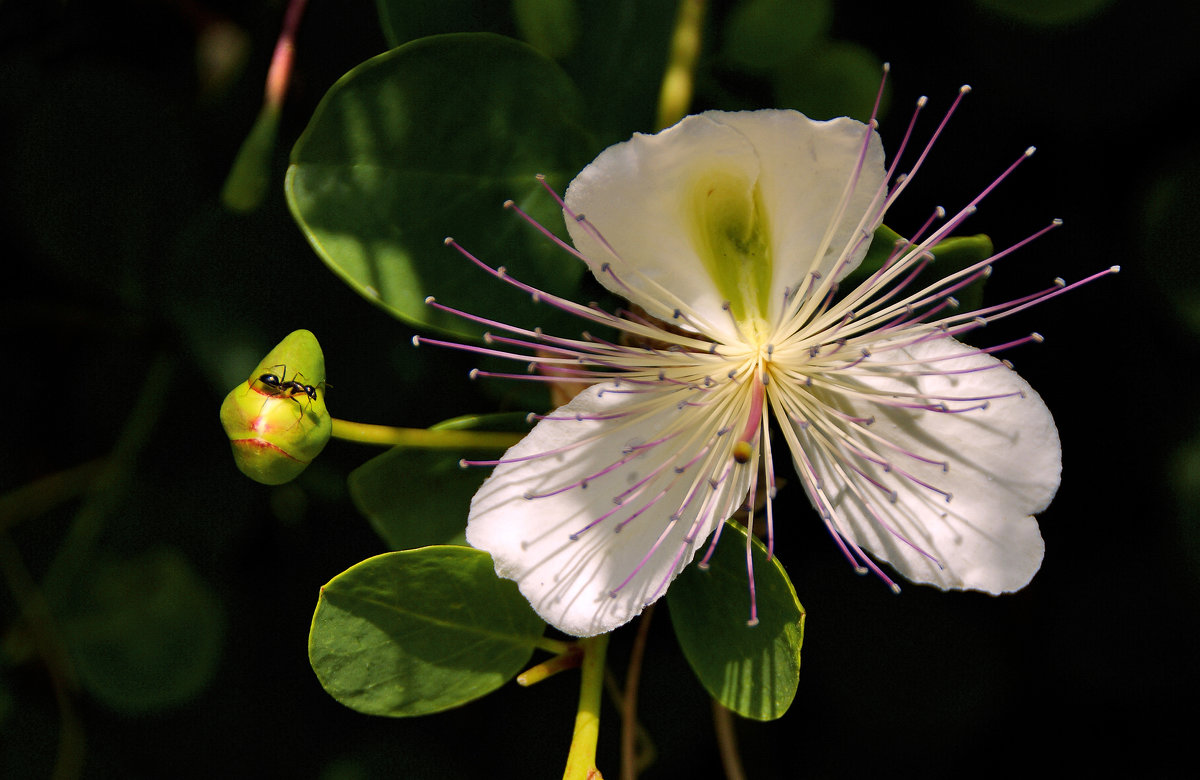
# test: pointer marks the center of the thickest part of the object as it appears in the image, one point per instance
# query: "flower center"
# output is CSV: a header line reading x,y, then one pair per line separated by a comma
x,y
730,233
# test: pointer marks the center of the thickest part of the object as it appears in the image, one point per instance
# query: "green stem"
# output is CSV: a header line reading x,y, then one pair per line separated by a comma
x,y
365,433
556,646
675,96
571,659
581,761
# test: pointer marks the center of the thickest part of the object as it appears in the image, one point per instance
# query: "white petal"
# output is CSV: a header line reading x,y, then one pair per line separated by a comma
x,y
805,167
1003,465
638,195
569,582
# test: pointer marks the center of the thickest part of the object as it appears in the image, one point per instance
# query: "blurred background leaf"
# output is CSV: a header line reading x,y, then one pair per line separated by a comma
x,y
145,634
763,34
550,26
406,20
1047,13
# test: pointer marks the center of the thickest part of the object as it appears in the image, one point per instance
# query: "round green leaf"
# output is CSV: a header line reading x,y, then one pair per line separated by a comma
x,y
429,140
420,631
416,497
145,633
248,180
752,670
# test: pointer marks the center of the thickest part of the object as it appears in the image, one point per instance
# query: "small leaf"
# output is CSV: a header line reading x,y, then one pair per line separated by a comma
x,y
752,670
250,175
882,244
416,497
420,631
951,255
956,253
429,140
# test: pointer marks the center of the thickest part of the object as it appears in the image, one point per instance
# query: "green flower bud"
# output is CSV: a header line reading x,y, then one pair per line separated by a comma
x,y
276,420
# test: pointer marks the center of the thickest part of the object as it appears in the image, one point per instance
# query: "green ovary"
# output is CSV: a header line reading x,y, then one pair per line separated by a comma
x,y
731,235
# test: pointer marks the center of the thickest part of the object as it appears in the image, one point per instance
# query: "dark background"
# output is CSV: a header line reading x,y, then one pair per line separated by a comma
x,y
125,277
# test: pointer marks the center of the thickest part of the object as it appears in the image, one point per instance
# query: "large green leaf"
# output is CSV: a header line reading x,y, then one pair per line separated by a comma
x,y
420,631
415,497
752,670
429,140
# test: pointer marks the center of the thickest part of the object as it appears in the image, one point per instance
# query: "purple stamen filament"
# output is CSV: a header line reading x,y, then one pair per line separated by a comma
x,y
822,362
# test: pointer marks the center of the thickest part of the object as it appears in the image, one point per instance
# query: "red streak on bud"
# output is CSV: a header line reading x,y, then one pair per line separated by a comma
x,y
260,444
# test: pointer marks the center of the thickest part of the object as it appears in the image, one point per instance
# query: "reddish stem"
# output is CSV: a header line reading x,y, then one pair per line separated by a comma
x,y
280,72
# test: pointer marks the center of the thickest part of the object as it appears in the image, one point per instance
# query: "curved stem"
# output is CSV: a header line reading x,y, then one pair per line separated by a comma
x,y
581,761
365,433
48,644
675,96
629,724
731,760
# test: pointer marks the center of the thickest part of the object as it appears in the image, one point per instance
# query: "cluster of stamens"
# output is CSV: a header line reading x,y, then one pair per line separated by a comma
x,y
816,362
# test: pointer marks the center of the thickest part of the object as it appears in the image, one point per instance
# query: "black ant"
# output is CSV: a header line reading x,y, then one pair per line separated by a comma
x,y
280,385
